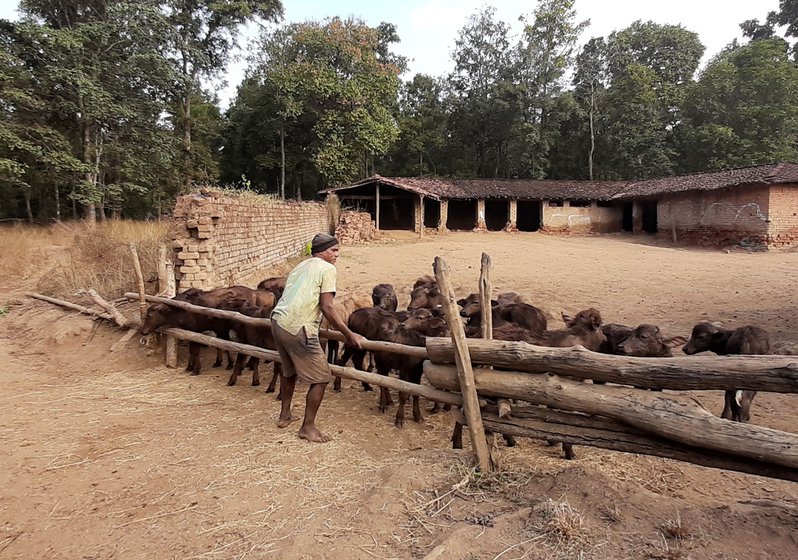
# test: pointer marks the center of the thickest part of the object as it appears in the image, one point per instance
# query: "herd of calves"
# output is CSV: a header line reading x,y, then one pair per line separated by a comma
x,y
376,318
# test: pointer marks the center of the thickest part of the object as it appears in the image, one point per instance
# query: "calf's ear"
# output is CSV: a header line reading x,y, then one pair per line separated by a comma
x,y
567,319
494,303
675,341
461,302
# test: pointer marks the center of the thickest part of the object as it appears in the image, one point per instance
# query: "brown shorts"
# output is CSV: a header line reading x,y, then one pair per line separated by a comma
x,y
302,355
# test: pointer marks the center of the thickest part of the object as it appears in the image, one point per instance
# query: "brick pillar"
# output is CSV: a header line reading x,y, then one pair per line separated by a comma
x,y
481,226
418,219
513,216
444,216
637,217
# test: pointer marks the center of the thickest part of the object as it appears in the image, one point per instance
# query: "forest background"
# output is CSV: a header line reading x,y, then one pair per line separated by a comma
x,y
106,112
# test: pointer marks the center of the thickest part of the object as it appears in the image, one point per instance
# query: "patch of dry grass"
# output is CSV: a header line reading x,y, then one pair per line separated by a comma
x,y
66,257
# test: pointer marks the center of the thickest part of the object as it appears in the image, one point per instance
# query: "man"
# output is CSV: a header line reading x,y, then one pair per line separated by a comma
x,y
309,292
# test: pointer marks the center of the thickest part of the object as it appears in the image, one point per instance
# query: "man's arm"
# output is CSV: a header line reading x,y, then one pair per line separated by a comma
x,y
328,310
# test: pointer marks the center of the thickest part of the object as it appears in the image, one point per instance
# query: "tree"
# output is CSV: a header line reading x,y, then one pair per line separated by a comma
x,y
590,86
650,67
422,121
339,78
483,100
744,109
206,32
31,151
102,64
544,55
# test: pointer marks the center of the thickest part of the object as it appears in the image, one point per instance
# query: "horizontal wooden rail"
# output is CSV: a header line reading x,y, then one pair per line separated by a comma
x,y
371,345
673,417
578,429
778,374
345,372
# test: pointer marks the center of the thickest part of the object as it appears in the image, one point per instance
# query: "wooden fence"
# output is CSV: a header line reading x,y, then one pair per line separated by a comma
x,y
551,400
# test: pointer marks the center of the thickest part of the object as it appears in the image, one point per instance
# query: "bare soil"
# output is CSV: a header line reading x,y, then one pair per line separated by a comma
x,y
112,455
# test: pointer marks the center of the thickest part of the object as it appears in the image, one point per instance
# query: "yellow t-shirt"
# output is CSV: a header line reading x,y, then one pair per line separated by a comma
x,y
299,305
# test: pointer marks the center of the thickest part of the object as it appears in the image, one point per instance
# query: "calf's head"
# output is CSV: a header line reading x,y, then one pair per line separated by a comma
x,y
157,316
427,297
384,297
705,336
647,341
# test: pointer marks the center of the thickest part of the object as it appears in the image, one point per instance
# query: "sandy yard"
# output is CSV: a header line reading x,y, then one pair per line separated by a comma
x,y
112,455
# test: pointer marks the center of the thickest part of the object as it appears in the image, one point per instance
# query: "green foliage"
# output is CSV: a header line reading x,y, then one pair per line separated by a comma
x,y
744,109
326,92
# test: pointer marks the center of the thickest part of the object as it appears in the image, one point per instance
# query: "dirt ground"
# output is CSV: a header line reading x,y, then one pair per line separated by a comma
x,y
112,455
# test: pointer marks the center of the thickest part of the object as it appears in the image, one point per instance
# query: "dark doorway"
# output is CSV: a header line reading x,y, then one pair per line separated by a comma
x,y
497,213
397,213
528,218
650,216
462,215
628,223
432,213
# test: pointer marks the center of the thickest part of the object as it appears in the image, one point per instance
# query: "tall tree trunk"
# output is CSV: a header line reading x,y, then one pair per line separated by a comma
x,y
27,204
85,129
187,168
282,159
57,204
592,132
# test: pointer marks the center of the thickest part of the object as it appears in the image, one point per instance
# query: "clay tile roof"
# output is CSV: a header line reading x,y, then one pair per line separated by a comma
x,y
441,188
444,188
777,173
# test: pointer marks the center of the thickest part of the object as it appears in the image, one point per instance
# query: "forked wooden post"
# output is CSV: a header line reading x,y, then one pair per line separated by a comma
x,y
484,297
167,288
140,282
485,291
465,372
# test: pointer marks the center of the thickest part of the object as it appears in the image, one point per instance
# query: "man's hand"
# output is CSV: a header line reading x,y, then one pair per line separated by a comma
x,y
355,340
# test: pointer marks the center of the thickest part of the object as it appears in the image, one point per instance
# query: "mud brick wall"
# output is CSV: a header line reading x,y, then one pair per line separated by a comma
x,y
737,216
579,219
783,214
219,239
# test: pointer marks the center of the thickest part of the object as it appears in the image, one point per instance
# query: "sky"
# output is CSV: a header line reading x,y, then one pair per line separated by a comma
x,y
428,28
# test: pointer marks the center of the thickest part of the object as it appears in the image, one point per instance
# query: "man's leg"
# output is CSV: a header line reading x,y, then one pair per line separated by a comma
x,y
287,385
309,431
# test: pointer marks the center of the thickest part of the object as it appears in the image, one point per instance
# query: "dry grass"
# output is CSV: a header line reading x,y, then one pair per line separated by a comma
x,y
66,257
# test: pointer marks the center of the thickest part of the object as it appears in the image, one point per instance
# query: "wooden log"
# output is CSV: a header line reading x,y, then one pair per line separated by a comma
x,y
504,408
778,374
485,290
170,351
70,305
564,427
116,316
122,341
372,345
139,281
672,417
166,274
346,372
465,374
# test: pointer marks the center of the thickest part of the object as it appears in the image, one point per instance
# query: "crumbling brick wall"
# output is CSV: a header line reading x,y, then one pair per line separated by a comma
x,y
722,217
220,239
783,214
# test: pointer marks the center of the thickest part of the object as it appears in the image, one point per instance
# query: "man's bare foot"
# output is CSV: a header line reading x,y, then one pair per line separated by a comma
x,y
285,422
313,434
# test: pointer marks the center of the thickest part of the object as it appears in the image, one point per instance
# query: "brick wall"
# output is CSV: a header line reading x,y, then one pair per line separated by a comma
x,y
722,217
580,219
221,239
783,230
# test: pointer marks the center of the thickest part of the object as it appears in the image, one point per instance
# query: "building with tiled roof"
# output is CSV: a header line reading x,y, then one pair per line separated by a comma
x,y
755,205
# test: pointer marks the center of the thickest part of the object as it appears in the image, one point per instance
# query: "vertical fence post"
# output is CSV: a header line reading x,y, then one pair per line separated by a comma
x,y
465,371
